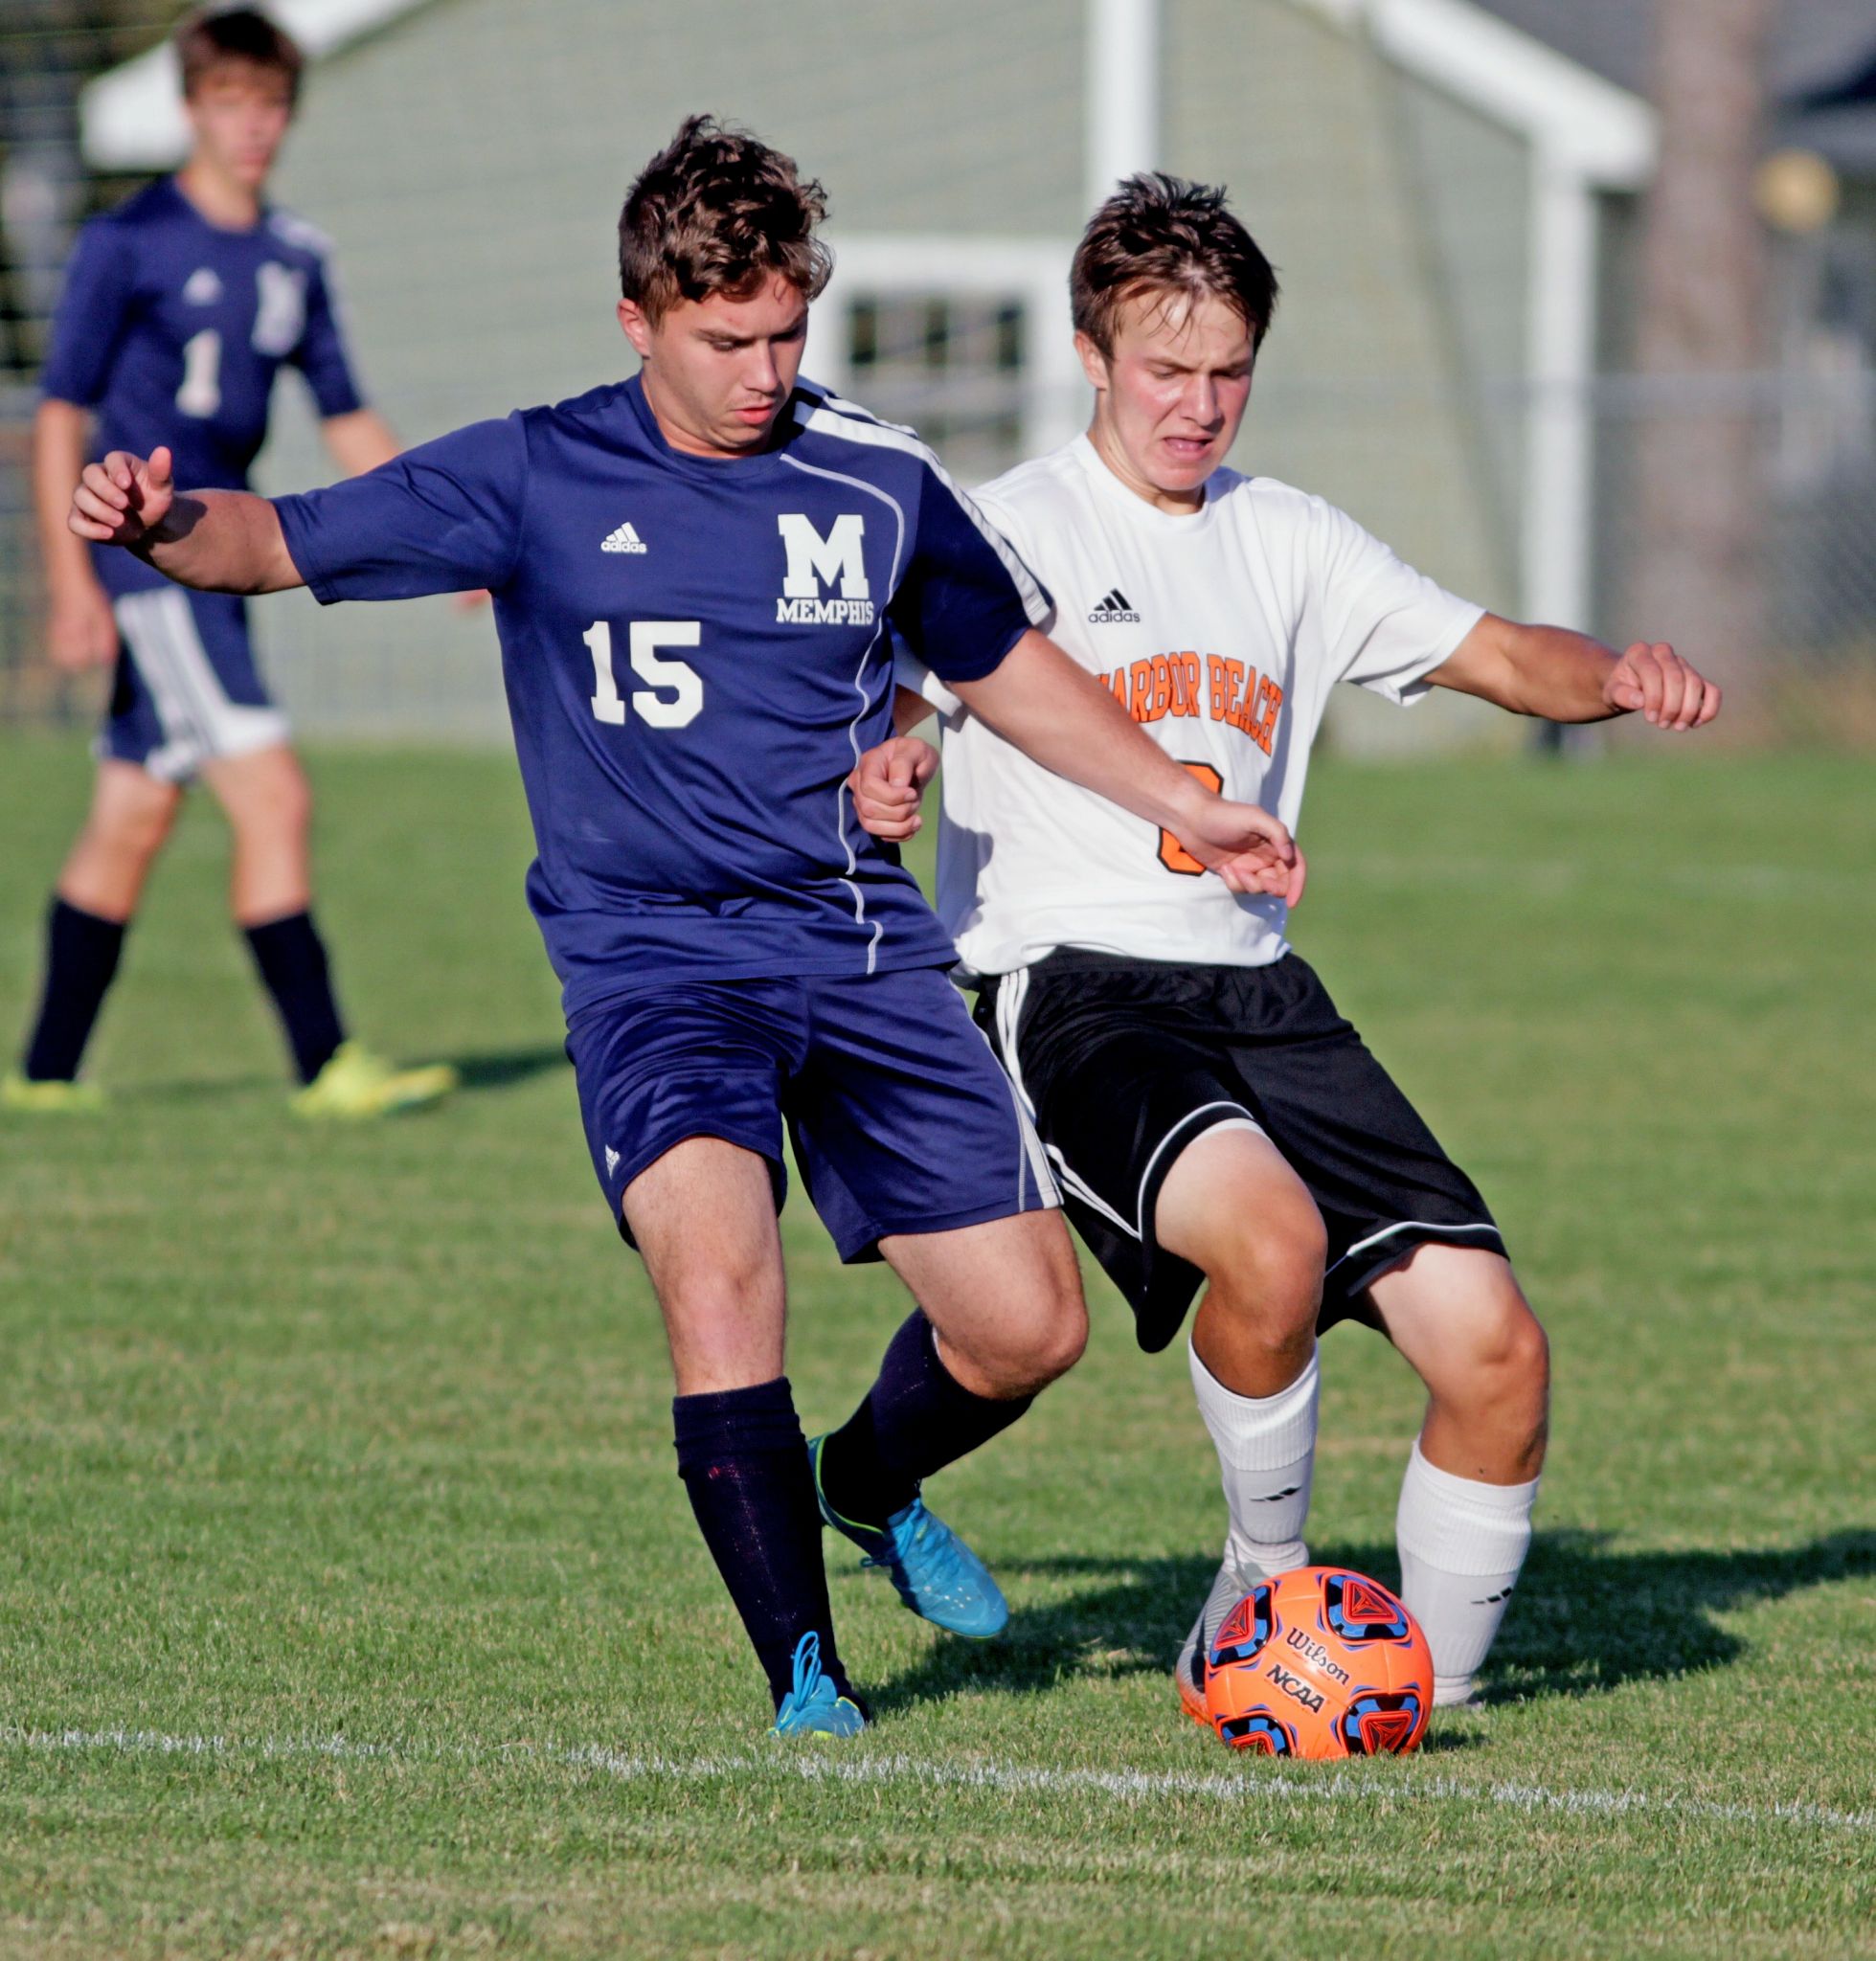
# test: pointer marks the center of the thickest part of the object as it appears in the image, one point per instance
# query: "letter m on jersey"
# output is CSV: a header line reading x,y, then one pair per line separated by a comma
x,y
815,563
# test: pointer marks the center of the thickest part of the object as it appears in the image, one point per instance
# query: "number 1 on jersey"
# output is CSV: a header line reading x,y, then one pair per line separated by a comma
x,y
200,392
674,696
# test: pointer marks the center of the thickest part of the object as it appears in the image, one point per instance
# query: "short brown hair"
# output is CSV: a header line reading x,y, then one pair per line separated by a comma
x,y
213,36
718,212
1163,235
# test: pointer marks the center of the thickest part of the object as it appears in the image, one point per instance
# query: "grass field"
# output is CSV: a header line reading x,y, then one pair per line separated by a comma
x,y
350,1603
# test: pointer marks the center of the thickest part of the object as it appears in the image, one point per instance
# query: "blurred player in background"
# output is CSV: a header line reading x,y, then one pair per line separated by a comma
x,y
694,575
1211,1116
179,309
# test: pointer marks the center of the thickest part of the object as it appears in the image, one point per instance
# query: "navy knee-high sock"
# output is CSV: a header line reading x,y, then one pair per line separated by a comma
x,y
744,1463
917,1418
81,957
291,957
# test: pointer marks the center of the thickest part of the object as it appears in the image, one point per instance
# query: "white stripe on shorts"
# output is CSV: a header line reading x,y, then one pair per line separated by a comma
x,y
199,722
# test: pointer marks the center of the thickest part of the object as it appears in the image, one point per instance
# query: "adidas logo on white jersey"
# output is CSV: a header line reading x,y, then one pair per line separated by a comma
x,y
624,539
1112,610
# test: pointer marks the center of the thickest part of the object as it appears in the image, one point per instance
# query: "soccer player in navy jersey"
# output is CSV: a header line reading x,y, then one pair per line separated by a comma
x,y
179,309
694,575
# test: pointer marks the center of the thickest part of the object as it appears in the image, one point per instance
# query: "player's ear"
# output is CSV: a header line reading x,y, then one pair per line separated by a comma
x,y
634,326
1093,363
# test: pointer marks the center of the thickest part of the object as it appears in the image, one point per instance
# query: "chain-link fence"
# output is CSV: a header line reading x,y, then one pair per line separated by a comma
x,y
467,157
1800,645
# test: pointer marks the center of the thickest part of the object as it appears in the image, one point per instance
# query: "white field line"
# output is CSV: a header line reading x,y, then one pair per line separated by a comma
x,y
1254,1786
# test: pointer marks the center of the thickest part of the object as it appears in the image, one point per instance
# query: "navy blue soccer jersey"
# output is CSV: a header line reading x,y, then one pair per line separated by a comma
x,y
696,654
172,329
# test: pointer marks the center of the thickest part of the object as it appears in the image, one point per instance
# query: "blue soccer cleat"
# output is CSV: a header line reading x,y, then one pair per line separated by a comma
x,y
937,1574
813,1706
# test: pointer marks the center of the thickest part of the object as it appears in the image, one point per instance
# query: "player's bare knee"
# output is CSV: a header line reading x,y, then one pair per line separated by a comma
x,y
1039,1337
1505,1374
274,808
1523,1364
1065,1337
1266,1275
132,829
727,1280
1054,1336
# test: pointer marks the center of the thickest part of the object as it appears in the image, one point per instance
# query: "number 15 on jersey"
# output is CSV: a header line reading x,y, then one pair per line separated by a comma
x,y
673,694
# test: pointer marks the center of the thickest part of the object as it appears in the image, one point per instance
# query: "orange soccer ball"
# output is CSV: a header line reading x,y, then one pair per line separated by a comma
x,y
1319,1662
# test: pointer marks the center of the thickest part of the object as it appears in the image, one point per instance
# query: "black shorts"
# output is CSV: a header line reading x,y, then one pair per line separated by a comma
x,y
1124,1063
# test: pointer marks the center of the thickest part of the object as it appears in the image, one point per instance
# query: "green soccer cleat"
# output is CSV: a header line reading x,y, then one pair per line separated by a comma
x,y
813,1706
937,1574
49,1098
356,1085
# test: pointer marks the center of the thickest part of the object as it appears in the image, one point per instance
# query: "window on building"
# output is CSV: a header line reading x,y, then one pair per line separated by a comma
x,y
949,366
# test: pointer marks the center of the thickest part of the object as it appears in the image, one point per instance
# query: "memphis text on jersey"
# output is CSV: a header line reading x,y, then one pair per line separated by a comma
x,y
1206,685
815,563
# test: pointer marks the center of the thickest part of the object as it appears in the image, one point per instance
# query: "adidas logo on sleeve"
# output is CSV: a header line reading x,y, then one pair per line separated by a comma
x,y
624,539
1112,610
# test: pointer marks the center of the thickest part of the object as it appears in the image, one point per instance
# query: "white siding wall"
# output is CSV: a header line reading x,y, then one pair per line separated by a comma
x,y
470,162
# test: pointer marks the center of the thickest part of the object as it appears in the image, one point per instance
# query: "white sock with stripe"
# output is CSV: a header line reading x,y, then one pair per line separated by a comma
x,y
1462,1546
1265,1455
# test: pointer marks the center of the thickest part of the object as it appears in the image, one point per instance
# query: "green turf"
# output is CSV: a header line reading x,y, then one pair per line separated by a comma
x,y
347,1452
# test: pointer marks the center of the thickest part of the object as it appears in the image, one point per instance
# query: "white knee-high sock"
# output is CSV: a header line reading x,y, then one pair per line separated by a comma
x,y
1462,1546
1266,1455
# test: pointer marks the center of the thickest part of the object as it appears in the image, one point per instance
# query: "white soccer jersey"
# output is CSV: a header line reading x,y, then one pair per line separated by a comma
x,y
1223,630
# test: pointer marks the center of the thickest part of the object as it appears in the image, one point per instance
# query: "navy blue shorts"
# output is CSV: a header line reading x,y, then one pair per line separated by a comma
x,y
900,1117
186,691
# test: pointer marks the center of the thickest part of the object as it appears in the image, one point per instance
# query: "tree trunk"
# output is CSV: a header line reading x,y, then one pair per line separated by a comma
x,y
1699,578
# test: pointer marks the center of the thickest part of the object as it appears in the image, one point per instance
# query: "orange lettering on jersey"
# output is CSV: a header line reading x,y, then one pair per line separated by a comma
x,y
1140,674
1162,688
1115,685
1174,855
1214,668
1184,684
1236,695
1235,692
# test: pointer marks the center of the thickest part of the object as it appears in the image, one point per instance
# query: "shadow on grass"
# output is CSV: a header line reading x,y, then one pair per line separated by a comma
x,y
1585,1619
199,1088
498,1068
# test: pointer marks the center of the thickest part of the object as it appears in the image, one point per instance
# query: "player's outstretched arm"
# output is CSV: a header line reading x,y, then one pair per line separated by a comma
x,y
1058,714
1570,677
219,541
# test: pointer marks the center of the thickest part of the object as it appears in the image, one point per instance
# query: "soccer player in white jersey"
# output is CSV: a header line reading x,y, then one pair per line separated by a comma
x,y
1209,1113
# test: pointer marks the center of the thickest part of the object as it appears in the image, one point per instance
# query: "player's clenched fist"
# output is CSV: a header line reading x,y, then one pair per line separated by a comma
x,y
1653,681
123,498
887,784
